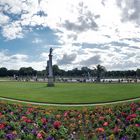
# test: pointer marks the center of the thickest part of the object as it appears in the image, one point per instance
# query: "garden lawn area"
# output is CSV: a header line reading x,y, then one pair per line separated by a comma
x,y
69,92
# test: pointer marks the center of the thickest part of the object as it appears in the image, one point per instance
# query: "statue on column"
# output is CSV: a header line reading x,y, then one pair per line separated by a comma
x,y
51,51
50,70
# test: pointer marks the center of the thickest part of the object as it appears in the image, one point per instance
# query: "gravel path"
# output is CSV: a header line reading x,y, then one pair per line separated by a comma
x,y
68,105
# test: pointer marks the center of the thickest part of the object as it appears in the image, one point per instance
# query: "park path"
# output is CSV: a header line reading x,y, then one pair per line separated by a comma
x,y
68,105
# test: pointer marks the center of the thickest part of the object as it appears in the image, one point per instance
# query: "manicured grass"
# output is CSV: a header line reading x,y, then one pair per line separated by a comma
x,y
69,92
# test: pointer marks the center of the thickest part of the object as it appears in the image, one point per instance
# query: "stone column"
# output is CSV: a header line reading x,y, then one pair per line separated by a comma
x,y
50,70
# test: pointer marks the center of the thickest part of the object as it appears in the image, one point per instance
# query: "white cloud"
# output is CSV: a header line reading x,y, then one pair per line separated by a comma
x,y
12,6
84,20
12,31
17,61
130,10
66,59
3,19
92,22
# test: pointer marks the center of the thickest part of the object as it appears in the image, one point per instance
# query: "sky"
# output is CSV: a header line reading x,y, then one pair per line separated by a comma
x,y
81,33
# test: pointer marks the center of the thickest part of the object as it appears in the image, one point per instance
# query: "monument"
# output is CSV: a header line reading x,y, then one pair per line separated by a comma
x,y
50,70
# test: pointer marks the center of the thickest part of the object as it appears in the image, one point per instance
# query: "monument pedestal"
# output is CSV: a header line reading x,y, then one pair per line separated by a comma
x,y
50,82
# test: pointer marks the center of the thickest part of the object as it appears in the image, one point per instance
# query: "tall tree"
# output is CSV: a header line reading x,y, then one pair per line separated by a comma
x,y
12,72
138,73
99,70
56,70
27,71
3,71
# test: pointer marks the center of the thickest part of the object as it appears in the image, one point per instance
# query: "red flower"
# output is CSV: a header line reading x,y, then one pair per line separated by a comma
x,y
100,130
30,110
28,120
130,117
124,114
2,126
57,124
25,119
44,120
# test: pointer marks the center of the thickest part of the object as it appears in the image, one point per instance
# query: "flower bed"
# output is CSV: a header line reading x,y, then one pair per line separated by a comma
x,y
30,123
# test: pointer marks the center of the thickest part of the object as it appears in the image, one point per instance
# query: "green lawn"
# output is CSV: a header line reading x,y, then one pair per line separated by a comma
x,y
69,92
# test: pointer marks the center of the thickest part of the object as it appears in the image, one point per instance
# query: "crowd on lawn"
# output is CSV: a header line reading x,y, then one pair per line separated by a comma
x,y
116,122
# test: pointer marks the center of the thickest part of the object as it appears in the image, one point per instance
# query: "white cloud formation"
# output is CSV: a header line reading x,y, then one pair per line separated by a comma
x,y
104,22
130,10
78,21
12,31
17,61
3,19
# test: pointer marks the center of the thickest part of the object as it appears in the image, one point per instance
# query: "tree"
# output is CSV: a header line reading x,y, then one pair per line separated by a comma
x,y
99,70
3,71
56,70
85,71
30,71
138,73
27,71
12,72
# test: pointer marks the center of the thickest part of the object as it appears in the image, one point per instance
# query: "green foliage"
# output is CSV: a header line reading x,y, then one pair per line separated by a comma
x,y
3,72
138,73
98,72
2,134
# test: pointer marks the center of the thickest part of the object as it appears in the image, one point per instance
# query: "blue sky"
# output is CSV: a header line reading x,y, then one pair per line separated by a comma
x,y
81,33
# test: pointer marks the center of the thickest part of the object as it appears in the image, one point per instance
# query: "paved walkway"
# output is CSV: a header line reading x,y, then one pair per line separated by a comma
x,y
67,105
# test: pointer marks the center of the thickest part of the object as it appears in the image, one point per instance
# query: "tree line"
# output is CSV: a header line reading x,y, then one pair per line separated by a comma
x,y
98,72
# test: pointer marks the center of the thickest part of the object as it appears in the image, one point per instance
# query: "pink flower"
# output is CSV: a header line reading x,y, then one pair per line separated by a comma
x,y
0,114
138,109
116,130
101,118
28,112
105,124
39,136
133,115
65,114
23,117
12,113
137,125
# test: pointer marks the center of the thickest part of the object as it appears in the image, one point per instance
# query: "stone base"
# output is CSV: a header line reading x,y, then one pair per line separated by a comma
x,y
50,82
